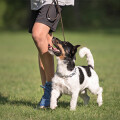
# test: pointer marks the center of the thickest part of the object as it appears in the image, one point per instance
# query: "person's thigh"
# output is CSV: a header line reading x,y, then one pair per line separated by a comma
x,y
39,34
40,29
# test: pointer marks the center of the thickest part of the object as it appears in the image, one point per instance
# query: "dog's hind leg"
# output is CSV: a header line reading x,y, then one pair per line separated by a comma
x,y
99,96
54,96
85,97
97,91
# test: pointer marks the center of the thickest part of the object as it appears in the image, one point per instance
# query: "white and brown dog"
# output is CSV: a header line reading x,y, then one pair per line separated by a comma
x,y
71,79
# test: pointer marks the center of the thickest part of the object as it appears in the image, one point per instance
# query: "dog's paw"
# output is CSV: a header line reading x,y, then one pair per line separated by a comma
x,y
53,107
99,104
72,109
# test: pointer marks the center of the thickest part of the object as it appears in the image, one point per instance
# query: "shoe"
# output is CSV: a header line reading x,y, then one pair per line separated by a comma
x,y
45,100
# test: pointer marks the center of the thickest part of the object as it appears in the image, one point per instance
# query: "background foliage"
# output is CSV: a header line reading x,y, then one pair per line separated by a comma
x,y
86,13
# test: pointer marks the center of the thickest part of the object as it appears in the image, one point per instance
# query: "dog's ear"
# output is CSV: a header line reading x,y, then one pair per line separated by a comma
x,y
76,46
74,50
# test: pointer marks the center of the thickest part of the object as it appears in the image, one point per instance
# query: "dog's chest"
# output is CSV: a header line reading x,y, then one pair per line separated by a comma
x,y
64,86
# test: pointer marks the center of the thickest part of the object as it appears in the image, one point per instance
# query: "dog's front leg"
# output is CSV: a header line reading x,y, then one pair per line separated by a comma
x,y
53,101
73,101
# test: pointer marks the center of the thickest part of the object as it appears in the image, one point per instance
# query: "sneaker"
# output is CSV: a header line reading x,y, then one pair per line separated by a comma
x,y
45,100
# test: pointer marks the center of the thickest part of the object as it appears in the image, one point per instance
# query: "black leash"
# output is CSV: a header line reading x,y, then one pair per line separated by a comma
x,y
59,14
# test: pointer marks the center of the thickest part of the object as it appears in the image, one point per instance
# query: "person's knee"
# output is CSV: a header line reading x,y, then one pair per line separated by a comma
x,y
38,38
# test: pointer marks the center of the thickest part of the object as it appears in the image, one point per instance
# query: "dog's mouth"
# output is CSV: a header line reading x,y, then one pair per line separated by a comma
x,y
55,49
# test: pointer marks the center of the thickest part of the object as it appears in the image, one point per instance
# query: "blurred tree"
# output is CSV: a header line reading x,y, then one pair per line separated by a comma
x,y
86,13
2,10
16,14
92,13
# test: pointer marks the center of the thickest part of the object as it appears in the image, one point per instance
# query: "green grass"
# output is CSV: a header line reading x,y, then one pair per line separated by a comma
x,y
20,79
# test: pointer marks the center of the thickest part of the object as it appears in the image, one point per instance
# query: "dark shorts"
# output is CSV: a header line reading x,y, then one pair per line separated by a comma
x,y
48,15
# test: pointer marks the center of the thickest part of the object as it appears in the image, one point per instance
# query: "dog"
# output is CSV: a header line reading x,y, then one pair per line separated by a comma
x,y
71,79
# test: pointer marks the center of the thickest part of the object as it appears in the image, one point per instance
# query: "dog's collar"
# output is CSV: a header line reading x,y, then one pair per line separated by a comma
x,y
66,76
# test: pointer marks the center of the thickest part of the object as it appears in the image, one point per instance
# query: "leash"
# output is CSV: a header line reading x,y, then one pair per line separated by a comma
x,y
59,14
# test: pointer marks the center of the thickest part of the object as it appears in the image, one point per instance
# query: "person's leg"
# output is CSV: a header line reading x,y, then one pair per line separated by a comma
x,y
42,71
40,36
41,67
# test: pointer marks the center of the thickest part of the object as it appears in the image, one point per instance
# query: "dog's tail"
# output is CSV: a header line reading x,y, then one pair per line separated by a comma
x,y
85,51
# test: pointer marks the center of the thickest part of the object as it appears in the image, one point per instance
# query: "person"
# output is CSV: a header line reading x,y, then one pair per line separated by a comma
x,y
44,20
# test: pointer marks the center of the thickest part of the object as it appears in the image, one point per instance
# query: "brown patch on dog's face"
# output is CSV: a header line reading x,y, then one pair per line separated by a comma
x,y
62,56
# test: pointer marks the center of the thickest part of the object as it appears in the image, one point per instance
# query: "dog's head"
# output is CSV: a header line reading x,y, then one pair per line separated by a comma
x,y
64,50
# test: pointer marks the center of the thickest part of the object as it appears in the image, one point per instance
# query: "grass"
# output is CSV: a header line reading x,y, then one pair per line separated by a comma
x,y
20,79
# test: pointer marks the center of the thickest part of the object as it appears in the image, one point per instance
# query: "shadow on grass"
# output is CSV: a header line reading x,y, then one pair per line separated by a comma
x,y
64,104
5,100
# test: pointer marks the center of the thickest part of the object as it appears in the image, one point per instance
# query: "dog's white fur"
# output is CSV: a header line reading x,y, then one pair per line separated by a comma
x,y
72,86
85,51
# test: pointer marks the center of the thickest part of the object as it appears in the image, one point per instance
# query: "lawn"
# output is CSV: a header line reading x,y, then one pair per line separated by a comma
x,y
20,79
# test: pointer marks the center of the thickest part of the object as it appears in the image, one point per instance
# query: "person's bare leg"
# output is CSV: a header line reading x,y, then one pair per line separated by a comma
x,y
41,67
42,71
40,37
39,34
